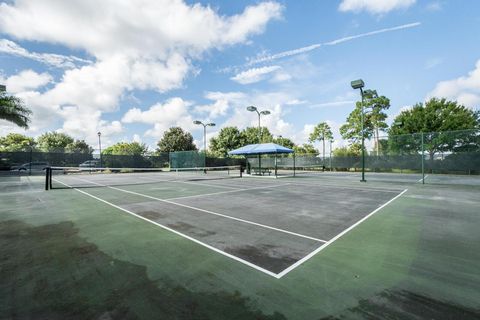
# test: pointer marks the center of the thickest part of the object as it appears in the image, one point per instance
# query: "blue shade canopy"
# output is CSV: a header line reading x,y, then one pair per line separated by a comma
x,y
262,148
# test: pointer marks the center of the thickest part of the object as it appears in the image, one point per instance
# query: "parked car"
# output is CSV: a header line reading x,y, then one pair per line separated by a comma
x,y
34,166
90,164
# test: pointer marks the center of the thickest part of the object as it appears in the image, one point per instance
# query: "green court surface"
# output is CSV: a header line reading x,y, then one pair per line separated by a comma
x,y
309,247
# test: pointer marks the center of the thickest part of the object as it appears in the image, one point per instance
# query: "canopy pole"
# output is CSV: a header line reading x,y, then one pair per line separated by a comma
x,y
294,164
275,165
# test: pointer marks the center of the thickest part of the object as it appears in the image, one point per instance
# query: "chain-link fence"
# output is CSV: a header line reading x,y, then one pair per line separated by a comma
x,y
449,153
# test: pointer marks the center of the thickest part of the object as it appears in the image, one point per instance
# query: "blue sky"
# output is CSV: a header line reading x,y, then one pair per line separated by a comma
x,y
133,69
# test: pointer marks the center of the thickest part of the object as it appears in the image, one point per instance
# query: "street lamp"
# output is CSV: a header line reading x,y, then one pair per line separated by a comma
x,y
264,112
100,147
205,125
359,84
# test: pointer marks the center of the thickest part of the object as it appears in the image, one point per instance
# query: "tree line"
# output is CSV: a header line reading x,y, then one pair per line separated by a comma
x,y
435,115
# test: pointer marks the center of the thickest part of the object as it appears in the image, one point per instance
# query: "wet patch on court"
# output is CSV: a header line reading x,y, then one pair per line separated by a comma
x,y
404,304
50,272
266,256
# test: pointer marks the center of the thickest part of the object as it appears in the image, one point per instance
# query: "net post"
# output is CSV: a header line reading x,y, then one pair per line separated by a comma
x,y
47,179
423,159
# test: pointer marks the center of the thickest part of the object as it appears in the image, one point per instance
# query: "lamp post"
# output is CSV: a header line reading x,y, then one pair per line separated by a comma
x,y
359,84
260,113
100,146
331,141
205,125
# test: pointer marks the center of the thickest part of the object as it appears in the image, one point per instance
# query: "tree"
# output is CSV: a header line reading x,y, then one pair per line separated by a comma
x,y
54,141
374,120
79,146
286,142
321,132
229,138
433,119
14,142
175,139
12,109
250,135
305,149
127,148
353,150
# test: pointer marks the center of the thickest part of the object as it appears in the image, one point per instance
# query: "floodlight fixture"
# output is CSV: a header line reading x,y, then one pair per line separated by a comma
x,y
197,122
251,108
265,112
357,84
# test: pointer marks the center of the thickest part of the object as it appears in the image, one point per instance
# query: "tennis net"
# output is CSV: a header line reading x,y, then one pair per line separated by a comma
x,y
75,177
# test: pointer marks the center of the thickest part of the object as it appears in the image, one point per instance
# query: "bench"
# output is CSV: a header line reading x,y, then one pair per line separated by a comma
x,y
261,171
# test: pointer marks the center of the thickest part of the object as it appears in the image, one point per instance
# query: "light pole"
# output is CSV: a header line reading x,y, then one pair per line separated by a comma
x,y
264,112
331,141
359,84
100,146
205,125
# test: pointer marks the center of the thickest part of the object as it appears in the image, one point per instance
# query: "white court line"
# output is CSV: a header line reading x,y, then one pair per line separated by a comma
x,y
311,254
333,186
210,212
191,182
177,233
425,177
229,191
277,276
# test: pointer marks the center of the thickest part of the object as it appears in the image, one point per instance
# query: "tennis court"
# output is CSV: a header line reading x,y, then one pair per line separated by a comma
x,y
173,243
271,226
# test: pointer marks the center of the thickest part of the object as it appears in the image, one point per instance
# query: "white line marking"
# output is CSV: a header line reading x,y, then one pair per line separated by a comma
x,y
332,186
229,191
191,182
311,254
210,212
425,177
176,232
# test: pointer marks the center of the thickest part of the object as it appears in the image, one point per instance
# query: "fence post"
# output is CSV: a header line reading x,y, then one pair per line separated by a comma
x,y
294,164
423,160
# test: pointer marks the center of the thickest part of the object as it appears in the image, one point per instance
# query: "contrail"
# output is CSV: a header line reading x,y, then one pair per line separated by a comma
x,y
330,43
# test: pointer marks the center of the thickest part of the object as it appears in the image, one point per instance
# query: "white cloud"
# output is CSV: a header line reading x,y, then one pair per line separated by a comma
x,y
434,6
332,104
174,112
374,6
26,80
465,89
55,60
254,75
433,62
220,105
134,45
266,58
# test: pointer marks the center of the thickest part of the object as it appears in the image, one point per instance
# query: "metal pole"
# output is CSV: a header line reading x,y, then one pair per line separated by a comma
x,y
330,155
294,164
100,148
30,162
423,161
323,151
205,147
259,141
363,139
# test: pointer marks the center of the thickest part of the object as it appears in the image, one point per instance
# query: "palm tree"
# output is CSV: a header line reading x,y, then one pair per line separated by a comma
x,y
12,109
